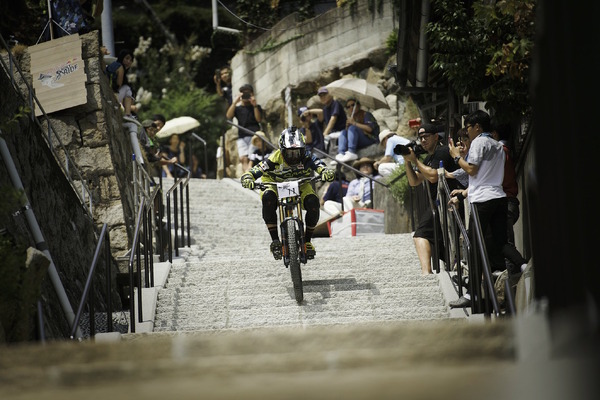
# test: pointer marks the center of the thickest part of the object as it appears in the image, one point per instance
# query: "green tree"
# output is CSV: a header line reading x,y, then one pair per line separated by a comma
x,y
484,48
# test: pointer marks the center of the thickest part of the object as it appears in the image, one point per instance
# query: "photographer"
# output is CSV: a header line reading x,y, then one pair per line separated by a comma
x,y
390,160
222,80
249,116
312,129
429,138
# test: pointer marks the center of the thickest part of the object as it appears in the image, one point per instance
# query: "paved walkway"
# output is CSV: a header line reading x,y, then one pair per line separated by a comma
x,y
230,281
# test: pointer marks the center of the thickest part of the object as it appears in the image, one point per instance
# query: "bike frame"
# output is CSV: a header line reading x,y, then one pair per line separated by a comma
x,y
290,208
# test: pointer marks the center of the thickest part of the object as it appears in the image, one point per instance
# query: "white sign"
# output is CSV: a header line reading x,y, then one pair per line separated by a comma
x,y
288,189
58,74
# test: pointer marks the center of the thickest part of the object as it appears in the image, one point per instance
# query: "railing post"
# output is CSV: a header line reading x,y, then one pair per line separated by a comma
x,y
169,239
107,260
187,199
176,222
145,241
182,214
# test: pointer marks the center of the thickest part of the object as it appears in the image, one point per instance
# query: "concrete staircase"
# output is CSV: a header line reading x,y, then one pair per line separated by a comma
x,y
226,326
229,280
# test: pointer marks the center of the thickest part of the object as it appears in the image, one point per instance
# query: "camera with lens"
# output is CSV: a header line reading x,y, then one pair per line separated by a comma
x,y
246,95
404,149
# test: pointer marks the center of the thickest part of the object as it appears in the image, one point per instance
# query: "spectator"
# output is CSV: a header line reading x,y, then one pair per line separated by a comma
x,y
312,129
485,166
261,148
150,148
332,116
196,168
334,195
222,80
249,116
361,131
429,136
390,160
509,184
359,189
174,153
117,75
159,120
463,144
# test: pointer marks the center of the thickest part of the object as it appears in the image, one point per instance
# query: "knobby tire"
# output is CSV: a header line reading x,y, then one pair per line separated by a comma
x,y
294,261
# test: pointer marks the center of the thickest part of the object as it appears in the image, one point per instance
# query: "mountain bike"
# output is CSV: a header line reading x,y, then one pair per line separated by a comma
x,y
291,224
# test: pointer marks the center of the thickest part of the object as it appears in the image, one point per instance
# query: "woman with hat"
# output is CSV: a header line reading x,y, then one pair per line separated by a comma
x,y
359,189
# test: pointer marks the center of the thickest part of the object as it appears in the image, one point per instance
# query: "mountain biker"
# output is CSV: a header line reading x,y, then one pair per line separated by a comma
x,y
291,160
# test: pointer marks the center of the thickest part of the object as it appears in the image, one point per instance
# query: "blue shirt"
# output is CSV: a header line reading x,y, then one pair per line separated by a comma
x,y
335,108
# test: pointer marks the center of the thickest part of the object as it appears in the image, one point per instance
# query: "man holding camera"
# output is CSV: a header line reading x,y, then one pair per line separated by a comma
x,y
249,116
418,171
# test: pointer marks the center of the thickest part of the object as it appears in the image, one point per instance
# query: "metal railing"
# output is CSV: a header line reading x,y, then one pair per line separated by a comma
x,y
66,163
180,214
483,297
142,242
103,240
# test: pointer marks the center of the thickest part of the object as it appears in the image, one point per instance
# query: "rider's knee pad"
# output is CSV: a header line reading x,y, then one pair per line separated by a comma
x,y
312,207
269,210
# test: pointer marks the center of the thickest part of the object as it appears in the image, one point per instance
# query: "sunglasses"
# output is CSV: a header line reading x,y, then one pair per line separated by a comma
x,y
350,105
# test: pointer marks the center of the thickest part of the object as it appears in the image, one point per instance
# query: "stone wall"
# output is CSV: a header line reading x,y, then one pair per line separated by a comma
x,y
96,142
66,227
98,145
304,52
312,53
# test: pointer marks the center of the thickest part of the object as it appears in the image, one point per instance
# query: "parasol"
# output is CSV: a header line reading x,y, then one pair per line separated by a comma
x,y
366,93
177,126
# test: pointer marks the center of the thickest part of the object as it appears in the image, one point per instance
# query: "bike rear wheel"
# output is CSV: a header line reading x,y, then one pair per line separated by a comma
x,y
294,266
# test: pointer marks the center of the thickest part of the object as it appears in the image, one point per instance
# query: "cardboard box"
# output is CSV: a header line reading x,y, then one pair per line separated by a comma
x,y
358,222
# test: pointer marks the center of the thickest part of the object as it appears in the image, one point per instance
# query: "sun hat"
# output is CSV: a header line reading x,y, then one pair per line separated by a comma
x,y
364,160
384,134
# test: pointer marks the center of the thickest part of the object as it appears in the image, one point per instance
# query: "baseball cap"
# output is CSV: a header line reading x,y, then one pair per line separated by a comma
x,y
301,110
147,123
322,89
432,128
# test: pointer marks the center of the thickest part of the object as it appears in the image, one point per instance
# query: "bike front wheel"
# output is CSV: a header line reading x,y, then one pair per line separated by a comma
x,y
292,242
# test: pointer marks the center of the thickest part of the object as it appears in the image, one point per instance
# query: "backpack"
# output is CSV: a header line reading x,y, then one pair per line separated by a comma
x,y
111,72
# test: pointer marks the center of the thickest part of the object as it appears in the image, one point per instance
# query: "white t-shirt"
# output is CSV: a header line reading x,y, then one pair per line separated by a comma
x,y
391,143
488,154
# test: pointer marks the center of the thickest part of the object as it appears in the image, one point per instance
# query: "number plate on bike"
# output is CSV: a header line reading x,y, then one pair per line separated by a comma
x,y
287,189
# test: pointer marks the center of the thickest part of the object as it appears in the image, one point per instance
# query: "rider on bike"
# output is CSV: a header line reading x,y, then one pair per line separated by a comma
x,y
290,161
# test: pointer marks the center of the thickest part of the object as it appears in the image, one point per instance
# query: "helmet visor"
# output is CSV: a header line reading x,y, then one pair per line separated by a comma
x,y
293,156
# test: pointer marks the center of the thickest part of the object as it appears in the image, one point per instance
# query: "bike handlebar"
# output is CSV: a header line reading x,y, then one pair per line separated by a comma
x,y
263,185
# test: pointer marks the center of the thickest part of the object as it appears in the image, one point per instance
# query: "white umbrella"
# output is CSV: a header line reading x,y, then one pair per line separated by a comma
x,y
177,126
366,93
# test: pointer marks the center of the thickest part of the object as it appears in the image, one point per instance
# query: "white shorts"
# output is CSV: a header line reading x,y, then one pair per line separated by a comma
x,y
245,148
124,91
386,169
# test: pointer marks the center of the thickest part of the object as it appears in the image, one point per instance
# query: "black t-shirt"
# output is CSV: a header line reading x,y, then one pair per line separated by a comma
x,y
245,117
442,153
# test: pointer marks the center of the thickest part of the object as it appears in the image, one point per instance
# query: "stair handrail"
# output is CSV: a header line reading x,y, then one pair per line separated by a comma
x,y
180,183
476,268
85,191
104,239
145,215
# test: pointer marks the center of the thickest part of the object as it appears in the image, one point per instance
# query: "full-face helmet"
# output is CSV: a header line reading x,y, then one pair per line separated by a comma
x,y
292,145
